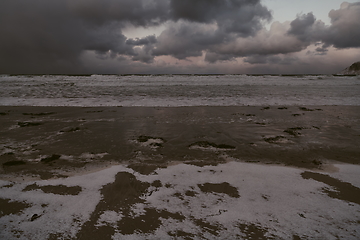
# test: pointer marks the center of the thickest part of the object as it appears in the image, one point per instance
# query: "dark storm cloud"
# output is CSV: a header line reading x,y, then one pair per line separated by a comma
x,y
239,16
142,41
144,53
42,36
38,35
58,36
195,11
137,12
50,36
202,25
193,28
344,31
265,43
302,26
105,39
184,39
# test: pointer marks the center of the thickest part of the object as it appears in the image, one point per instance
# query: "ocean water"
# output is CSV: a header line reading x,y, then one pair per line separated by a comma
x,y
178,90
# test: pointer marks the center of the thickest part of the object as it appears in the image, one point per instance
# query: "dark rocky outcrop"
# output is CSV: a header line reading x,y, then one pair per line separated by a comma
x,y
354,69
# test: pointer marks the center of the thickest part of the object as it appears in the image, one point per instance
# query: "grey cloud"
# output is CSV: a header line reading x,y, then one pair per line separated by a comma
x,y
302,26
38,36
202,25
344,31
244,19
322,49
142,41
305,30
270,59
136,12
265,43
143,55
50,36
107,38
238,16
143,51
213,57
184,39
195,11
41,36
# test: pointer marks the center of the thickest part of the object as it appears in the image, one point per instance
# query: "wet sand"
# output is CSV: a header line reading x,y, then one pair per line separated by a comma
x,y
180,173
38,140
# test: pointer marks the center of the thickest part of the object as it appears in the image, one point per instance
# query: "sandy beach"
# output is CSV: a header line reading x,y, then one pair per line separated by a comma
x,y
266,172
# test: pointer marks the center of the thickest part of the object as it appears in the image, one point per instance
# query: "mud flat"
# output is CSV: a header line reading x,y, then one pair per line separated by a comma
x,y
180,173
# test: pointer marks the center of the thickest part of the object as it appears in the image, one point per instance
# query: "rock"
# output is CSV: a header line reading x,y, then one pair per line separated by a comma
x,y
354,69
34,217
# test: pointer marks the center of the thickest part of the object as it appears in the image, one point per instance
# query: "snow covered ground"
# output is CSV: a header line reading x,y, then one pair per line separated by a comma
x,y
231,200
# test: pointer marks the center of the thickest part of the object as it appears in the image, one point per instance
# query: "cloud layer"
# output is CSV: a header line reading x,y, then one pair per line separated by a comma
x,y
57,36
344,31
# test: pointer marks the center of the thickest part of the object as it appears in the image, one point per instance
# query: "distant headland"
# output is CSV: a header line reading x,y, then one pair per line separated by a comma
x,y
354,69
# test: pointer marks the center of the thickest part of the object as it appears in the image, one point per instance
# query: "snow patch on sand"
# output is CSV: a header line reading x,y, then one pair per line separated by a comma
x,y
276,201
108,218
59,213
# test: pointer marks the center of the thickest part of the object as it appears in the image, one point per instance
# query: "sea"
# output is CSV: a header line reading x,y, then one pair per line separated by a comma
x,y
178,90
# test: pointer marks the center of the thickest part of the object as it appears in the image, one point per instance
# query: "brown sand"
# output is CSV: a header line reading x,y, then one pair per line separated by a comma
x,y
51,141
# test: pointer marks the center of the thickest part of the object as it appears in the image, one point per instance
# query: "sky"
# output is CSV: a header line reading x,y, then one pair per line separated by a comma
x,y
178,36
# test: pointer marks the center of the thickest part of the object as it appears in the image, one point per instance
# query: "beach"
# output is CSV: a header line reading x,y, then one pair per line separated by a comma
x,y
179,120
180,172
